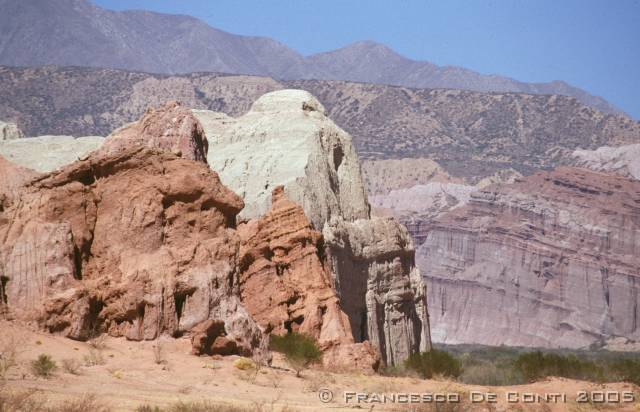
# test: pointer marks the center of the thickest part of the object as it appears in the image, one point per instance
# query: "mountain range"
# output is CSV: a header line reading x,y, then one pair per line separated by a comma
x,y
79,33
471,134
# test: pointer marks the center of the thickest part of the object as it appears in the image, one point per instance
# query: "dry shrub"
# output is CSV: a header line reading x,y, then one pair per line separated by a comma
x,y
98,341
94,358
87,403
207,406
71,366
8,355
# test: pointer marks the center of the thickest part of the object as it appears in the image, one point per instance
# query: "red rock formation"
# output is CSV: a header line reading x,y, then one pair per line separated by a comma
x,y
136,244
550,261
172,128
13,178
286,286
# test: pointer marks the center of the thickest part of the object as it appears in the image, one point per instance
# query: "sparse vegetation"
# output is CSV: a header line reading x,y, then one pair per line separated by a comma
x,y
33,401
94,358
300,350
71,366
244,364
44,366
8,355
207,406
432,363
498,366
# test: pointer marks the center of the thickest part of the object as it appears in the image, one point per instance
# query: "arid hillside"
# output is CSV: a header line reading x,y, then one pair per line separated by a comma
x,y
471,134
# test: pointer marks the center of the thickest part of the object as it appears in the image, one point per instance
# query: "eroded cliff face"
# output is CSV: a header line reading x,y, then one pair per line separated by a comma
x,y
379,285
286,284
287,140
135,244
549,261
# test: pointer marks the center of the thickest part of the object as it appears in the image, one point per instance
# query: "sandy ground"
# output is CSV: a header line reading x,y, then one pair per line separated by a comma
x,y
130,377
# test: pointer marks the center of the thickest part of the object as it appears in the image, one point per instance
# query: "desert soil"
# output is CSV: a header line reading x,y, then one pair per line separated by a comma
x,y
130,377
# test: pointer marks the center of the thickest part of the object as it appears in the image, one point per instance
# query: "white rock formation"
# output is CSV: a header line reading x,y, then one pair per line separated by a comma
x,y
48,153
10,131
286,139
623,160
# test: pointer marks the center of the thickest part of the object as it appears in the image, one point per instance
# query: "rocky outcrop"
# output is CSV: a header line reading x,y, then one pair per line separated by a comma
x,y
383,176
137,244
380,287
10,131
287,287
286,140
420,204
171,128
13,179
549,261
48,153
622,160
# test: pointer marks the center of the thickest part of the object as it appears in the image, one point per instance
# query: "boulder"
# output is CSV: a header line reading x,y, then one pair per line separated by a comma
x,y
172,128
10,131
136,244
48,153
287,287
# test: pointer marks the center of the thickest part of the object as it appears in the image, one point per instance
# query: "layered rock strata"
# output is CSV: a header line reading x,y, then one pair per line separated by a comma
x,y
549,261
286,139
137,244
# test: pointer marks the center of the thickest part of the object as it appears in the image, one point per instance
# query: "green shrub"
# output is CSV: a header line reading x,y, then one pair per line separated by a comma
x,y
300,350
434,362
44,366
627,370
537,365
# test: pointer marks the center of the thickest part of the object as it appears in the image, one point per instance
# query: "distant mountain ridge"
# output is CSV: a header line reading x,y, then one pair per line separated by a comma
x,y
79,33
470,134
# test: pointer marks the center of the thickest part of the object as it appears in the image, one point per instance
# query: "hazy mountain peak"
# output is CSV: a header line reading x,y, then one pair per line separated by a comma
x,y
79,33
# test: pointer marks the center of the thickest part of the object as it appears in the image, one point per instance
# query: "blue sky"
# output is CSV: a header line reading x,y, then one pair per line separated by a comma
x,y
591,44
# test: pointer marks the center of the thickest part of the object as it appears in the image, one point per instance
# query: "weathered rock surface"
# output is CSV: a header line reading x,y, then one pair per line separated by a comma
x,y
13,179
286,139
10,131
383,176
286,286
550,261
623,160
379,285
48,153
419,204
137,244
171,128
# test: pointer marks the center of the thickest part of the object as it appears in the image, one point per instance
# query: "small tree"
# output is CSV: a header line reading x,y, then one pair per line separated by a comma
x,y
301,351
434,362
